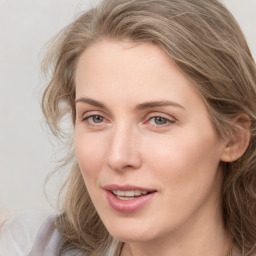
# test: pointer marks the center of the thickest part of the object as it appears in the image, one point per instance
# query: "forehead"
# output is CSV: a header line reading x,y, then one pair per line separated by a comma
x,y
105,55
143,72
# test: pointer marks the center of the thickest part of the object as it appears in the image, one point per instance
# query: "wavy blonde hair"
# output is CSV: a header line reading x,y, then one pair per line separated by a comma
x,y
206,43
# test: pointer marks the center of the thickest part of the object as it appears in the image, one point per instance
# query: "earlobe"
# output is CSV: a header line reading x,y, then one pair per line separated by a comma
x,y
238,140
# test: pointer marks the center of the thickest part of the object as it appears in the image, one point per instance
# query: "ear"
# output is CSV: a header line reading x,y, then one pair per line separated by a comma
x,y
239,139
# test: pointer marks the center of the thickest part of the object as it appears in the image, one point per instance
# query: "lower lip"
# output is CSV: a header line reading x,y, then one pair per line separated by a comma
x,y
128,206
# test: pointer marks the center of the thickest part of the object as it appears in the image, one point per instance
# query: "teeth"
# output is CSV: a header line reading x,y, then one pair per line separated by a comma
x,y
130,193
124,198
137,193
118,192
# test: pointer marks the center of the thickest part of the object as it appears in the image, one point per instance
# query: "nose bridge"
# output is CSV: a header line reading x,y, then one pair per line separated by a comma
x,y
123,148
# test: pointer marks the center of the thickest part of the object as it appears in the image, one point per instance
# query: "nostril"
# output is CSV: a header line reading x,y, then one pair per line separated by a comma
x,y
129,166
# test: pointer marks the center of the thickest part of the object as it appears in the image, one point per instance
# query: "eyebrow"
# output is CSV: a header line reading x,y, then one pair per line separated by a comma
x,y
153,104
150,104
91,102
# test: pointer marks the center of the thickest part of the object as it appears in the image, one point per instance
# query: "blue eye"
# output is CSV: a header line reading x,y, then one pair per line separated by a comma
x,y
96,119
159,120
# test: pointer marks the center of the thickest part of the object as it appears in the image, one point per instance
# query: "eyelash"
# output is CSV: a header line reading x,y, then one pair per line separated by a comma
x,y
167,122
92,123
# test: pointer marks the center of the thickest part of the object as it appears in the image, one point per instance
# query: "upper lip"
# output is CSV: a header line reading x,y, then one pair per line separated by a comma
x,y
127,187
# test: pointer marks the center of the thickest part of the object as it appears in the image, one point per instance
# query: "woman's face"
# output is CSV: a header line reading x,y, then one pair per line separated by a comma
x,y
148,152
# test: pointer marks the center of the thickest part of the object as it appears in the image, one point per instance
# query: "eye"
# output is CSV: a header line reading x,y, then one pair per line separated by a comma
x,y
158,120
95,119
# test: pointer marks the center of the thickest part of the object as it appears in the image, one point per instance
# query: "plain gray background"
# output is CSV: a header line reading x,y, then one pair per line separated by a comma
x,y
26,153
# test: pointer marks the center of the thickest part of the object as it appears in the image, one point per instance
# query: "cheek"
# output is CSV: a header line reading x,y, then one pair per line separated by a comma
x,y
185,160
90,154
187,171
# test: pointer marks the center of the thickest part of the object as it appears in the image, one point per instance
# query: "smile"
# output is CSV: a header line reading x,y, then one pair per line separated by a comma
x,y
128,199
128,195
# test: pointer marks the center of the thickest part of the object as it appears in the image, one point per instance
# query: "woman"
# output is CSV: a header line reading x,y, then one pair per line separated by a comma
x,y
161,94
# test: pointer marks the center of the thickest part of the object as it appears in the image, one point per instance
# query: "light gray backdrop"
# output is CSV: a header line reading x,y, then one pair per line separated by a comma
x,y
26,154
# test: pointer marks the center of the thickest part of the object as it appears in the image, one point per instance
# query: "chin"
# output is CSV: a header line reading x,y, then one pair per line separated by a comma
x,y
131,237
131,231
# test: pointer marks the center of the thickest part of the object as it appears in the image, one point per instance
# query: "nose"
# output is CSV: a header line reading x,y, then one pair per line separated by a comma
x,y
123,152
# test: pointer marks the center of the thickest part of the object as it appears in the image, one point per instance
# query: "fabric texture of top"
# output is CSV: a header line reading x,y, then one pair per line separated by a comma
x,y
34,234
18,234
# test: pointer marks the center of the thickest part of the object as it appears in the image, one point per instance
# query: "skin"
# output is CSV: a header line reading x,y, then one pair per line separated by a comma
x,y
177,154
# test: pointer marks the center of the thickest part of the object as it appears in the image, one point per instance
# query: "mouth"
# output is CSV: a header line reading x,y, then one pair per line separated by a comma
x,y
128,198
129,194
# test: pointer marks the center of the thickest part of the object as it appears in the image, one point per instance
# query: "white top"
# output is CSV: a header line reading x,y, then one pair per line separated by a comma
x,y
34,234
